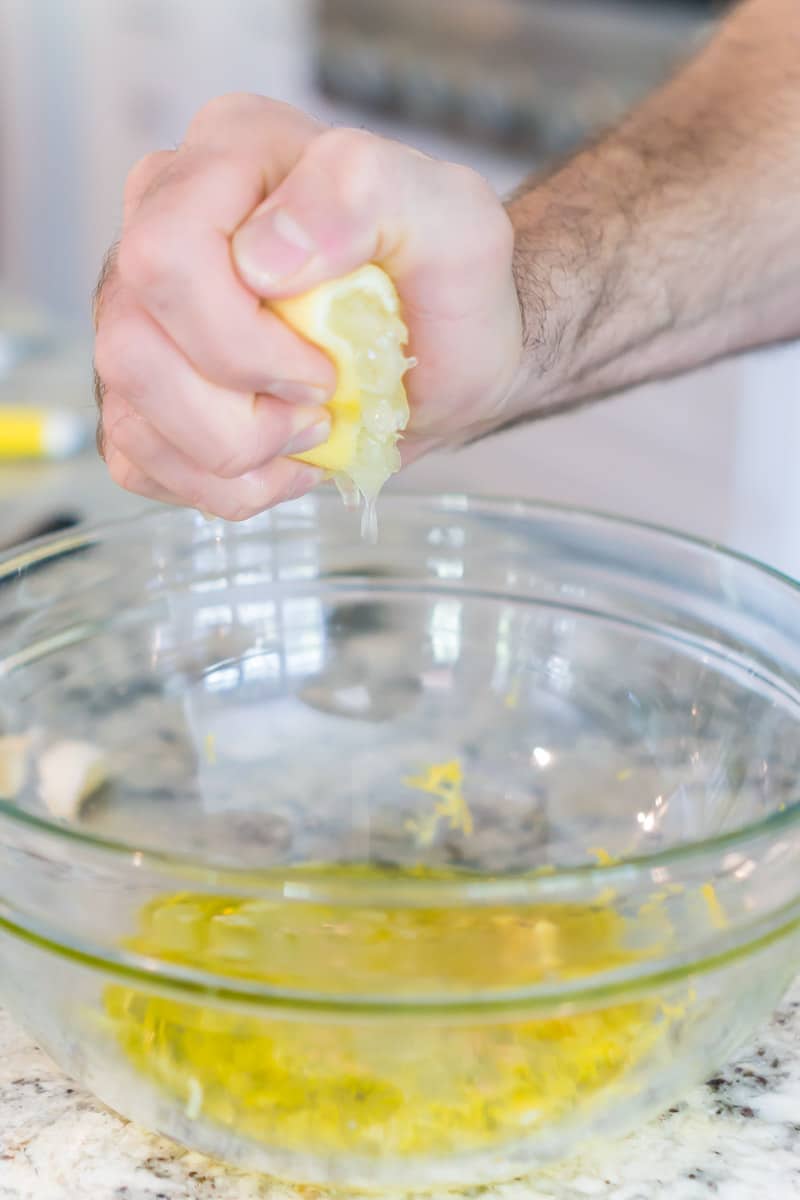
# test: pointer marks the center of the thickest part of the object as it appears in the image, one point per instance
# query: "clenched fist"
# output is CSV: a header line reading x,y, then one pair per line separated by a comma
x,y
203,391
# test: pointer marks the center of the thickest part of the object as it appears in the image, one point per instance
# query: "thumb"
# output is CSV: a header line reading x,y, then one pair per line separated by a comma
x,y
352,198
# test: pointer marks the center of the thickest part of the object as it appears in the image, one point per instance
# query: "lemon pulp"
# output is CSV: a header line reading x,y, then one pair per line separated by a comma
x,y
317,1083
357,321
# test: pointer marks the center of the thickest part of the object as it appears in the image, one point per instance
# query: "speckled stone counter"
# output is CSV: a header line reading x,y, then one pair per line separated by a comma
x,y
735,1138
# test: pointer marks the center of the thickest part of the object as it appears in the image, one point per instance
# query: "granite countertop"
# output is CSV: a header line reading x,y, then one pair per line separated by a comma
x,y
735,1138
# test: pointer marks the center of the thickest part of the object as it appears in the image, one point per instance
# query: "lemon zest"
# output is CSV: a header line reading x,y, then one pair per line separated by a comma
x,y
318,1086
445,781
715,909
604,859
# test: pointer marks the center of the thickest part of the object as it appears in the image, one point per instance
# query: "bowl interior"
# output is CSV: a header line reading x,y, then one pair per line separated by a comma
x,y
490,688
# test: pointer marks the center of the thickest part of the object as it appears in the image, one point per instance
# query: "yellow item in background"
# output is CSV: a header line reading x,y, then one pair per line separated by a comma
x,y
357,321
40,433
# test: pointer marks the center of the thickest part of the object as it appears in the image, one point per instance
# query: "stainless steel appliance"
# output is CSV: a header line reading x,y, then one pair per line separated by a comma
x,y
540,75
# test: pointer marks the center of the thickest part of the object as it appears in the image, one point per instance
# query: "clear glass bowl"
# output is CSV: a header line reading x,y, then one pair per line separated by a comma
x,y
415,864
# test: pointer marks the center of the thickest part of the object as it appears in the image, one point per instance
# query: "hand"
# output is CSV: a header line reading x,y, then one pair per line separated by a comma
x,y
203,391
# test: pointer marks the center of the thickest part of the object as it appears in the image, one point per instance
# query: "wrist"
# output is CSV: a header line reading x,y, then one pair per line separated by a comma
x,y
582,301
554,301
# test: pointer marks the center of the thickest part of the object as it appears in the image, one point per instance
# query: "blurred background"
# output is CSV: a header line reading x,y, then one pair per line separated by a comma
x,y
88,87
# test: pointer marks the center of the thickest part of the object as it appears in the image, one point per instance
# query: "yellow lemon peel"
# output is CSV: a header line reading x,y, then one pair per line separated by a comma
x,y
357,321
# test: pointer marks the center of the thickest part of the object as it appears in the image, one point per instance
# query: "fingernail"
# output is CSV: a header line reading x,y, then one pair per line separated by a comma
x,y
272,246
298,393
307,439
305,479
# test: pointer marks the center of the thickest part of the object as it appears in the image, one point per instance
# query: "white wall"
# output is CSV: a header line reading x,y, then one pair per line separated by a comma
x,y
40,150
88,87
766,517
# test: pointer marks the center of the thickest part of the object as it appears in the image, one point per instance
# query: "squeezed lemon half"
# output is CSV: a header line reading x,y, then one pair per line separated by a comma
x,y
357,321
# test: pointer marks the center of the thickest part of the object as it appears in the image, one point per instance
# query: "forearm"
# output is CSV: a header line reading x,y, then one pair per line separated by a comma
x,y
676,239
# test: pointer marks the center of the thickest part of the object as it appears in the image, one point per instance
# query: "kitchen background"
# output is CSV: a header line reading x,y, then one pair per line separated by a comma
x,y
88,86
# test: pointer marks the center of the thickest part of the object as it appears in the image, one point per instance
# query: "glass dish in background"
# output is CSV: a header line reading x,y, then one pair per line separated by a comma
x,y
417,864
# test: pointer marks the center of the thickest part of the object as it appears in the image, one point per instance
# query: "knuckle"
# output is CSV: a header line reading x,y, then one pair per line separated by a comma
x,y
471,184
118,430
105,361
221,108
230,462
274,490
103,364
122,472
355,158
141,175
145,258
218,170
236,510
107,446
245,118
193,495
344,142
220,360
155,257
255,441
484,206
116,362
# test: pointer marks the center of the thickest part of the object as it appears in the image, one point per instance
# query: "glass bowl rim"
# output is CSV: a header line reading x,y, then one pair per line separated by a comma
x,y
291,880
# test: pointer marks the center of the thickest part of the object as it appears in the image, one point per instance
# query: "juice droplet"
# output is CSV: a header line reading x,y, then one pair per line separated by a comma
x,y
351,497
369,521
